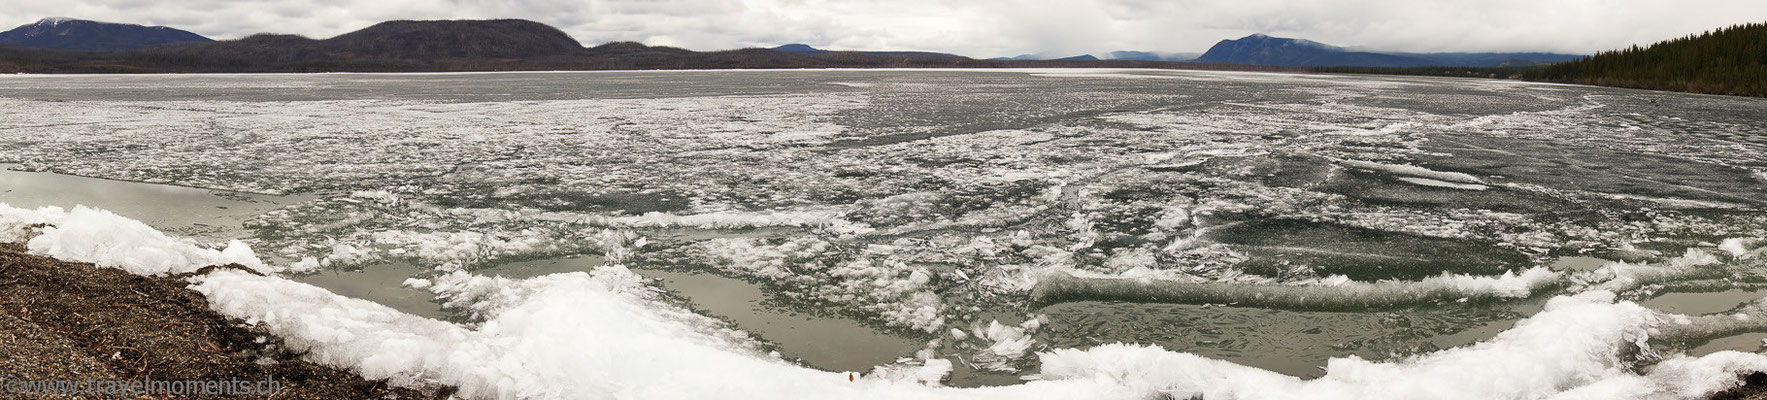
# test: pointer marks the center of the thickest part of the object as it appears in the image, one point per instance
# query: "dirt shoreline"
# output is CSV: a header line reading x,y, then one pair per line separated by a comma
x,y
66,321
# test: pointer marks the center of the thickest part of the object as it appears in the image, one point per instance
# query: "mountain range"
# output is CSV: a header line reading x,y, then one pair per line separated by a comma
x,y
1151,56
440,46
1725,61
83,35
520,44
1260,49
806,49
1043,57
1123,55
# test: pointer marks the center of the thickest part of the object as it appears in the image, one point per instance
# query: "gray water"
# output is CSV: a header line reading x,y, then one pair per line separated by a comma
x,y
185,211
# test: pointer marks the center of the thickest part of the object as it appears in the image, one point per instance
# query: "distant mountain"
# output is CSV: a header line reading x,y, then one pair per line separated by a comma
x,y
390,43
1115,55
1151,56
83,35
500,38
1260,49
806,49
799,48
1046,57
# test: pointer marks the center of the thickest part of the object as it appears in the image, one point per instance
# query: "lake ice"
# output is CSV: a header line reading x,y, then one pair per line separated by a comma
x,y
1338,236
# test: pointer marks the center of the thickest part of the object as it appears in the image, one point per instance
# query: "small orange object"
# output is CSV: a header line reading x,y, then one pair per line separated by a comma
x,y
849,377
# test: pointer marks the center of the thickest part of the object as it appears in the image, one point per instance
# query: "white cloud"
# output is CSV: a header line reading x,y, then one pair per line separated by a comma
x,y
976,28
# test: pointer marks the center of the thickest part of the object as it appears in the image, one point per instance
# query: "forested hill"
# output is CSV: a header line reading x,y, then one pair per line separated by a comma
x,y
1725,61
1730,61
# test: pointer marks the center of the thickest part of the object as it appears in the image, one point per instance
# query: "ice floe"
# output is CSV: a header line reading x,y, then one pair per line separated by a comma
x,y
1416,171
1335,293
605,334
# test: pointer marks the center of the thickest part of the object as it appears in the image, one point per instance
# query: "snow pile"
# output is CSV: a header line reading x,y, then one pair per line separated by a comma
x,y
108,240
1679,377
567,336
1335,293
1412,170
572,335
1577,348
16,224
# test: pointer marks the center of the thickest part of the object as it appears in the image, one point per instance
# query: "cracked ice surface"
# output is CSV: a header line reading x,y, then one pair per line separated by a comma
x,y
935,202
607,334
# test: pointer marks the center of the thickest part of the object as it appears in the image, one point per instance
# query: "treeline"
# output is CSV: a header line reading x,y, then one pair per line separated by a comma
x,y
1730,61
1461,72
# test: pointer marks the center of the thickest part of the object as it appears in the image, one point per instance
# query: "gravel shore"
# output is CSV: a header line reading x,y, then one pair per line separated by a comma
x,y
64,321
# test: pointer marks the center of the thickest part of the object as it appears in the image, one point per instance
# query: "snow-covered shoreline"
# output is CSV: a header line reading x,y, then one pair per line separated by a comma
x,y
601,335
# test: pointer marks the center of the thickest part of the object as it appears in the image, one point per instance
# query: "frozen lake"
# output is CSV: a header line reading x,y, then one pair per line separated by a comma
x,y
849,219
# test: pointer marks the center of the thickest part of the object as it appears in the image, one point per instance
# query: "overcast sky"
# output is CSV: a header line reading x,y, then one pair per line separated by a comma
x,y
981,28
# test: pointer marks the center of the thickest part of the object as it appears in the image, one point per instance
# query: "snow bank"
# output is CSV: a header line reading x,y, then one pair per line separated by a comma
x,y
1331,294
1679,377
1577,348
16,223
108,240
567,336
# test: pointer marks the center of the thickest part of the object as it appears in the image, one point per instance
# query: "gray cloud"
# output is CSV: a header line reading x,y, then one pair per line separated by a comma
x,y
976,27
